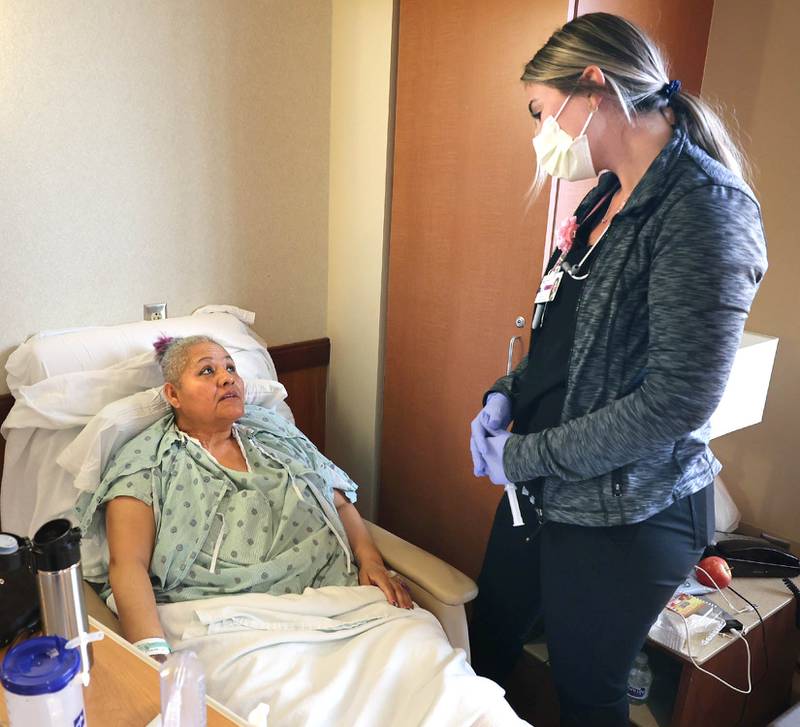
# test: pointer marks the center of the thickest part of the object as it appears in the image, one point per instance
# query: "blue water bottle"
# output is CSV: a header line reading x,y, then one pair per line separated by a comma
x,y
41,678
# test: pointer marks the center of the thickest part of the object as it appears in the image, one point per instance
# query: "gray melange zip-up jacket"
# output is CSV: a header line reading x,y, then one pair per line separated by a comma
x,y
658,324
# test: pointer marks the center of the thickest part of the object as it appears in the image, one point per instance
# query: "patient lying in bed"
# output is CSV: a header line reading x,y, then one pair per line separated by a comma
x,y
218,499
215,499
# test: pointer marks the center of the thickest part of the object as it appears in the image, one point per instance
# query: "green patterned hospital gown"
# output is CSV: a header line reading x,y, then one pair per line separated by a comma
x,y
274,529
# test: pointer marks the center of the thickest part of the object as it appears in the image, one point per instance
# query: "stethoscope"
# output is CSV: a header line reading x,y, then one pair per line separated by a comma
x,y
573,270
561,266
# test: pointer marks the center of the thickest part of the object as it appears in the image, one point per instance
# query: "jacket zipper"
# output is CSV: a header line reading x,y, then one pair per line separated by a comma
x,y
616,483
577,315
616,486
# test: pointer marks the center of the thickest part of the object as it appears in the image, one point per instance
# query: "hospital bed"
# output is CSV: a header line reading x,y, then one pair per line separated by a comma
x,y
63,382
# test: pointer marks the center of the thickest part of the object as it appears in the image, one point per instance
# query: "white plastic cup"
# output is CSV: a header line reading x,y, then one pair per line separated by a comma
x,y
41,678
183,691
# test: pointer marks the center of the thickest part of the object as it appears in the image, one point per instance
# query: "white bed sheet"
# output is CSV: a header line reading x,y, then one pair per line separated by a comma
x,y
334,656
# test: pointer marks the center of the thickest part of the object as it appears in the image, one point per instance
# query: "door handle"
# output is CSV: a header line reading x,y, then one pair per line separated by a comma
x,y
511,344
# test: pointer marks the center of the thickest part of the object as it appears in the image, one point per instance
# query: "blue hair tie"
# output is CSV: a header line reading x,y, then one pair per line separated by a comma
x,y
668,90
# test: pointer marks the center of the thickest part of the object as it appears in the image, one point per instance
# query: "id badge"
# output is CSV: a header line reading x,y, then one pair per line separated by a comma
x,y
549,287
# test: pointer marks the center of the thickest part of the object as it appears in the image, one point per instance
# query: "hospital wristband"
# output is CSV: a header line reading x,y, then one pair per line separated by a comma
x,y
153,647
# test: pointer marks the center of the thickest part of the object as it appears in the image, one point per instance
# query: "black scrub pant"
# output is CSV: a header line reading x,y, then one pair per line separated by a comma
x,y
598,591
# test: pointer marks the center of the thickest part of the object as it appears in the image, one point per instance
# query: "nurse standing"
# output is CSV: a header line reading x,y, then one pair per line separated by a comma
x,y
636,325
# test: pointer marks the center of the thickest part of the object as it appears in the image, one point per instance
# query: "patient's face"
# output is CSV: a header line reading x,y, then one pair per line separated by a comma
x,y
209,393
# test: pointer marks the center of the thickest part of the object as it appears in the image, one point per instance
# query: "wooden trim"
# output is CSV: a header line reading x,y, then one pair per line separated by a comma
x,y
302,367
301,355
307,392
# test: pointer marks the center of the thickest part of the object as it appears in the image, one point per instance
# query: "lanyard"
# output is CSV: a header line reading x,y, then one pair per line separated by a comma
x,y
549,286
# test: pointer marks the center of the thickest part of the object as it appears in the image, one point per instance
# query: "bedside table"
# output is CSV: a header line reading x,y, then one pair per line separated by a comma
x,y
124,687
699,699
682,695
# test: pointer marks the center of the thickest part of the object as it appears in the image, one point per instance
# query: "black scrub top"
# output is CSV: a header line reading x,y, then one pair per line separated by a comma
x,y
538,393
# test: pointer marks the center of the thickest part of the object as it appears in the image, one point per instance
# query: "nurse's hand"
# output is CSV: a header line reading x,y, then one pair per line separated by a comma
x,y
491,451
478,463
495,416
497,412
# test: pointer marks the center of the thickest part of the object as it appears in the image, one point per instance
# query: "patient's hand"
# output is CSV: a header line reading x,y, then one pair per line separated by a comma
x,y
371,570
374,573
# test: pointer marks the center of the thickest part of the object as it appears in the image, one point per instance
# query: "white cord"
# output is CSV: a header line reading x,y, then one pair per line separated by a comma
x,y
218,542
516,515
711,674
571,271
290,474
733,608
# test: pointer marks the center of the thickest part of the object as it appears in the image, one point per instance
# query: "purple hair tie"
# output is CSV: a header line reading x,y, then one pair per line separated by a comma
x,y
668,90
161,345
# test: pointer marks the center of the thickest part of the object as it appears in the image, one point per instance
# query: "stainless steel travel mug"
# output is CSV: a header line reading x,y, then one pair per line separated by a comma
x,y
57,553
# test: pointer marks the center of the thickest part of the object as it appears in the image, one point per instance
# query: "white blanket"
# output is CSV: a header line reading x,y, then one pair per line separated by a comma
x,y
333,656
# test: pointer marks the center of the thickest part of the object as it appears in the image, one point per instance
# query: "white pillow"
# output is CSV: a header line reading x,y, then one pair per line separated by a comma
x,y
72,399
86,457
52,353
726,514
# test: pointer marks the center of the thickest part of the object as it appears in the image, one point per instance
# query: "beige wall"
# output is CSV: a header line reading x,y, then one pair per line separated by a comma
x,y
360,118
157,151
750,68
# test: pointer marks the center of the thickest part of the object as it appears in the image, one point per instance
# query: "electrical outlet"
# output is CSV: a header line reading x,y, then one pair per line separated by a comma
x,y
155,311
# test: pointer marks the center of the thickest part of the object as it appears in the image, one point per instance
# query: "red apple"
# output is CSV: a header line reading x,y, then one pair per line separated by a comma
x,y
713,571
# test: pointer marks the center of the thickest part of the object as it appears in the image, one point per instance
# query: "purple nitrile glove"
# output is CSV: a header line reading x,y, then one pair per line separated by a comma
x,y
478,463
492,453
495,416
497,412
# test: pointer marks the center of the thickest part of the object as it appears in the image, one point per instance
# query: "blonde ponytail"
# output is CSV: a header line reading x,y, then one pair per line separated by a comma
x,y
705,128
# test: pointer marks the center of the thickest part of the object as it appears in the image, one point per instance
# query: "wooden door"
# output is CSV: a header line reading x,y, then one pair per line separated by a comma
x,y
465,256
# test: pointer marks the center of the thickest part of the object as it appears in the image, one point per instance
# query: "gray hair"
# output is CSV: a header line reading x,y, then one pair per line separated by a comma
x,y
636,74
172,354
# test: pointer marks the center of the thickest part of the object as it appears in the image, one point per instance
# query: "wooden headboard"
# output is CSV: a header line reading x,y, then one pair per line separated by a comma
x,y
302,368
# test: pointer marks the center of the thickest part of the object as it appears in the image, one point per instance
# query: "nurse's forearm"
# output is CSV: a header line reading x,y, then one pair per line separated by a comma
x,y
136,604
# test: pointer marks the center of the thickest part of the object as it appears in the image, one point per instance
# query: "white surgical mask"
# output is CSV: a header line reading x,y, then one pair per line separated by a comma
x,y
559,154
